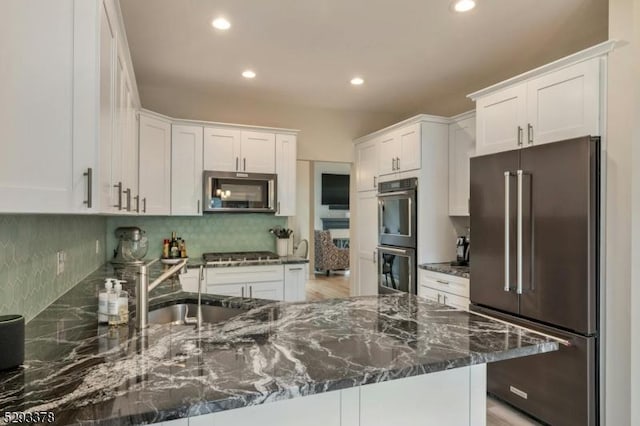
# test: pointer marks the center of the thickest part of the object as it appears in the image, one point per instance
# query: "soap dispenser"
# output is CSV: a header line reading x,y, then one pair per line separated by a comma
x,y
114,304
123,302
103,301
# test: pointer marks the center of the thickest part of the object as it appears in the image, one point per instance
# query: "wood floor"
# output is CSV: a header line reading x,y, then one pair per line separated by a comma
x,y
337,285
333,286
500,414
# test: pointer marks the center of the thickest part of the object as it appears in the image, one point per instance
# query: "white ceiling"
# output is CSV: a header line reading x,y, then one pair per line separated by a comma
x,y
416,56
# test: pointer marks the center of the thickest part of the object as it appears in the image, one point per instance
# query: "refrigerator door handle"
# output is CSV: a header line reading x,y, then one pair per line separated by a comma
x,y
519,231
507,176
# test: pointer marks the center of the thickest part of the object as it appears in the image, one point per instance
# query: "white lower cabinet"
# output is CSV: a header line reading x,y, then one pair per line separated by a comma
x,y
295,281
443,288
190,280
453,397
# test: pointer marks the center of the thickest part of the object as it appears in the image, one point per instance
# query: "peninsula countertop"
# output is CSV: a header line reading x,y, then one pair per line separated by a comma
x,y
92,374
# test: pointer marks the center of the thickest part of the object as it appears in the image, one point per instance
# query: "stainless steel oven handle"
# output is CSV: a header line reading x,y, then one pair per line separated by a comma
x,y
392,194
519,243
393,250
507,176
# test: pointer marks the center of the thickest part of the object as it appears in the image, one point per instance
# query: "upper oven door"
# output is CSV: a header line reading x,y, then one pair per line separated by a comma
x,y
397,218
239,192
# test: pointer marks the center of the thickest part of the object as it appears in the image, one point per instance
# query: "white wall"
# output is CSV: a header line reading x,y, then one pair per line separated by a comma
x,y
622,98
320,211
325,134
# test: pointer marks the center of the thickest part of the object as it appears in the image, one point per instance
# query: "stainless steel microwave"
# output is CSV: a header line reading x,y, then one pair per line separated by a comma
x,y
239,192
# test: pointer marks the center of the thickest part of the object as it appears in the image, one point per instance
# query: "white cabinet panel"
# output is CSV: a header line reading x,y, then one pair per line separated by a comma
x,y
155,165
234,290
190,281
36,107
244,274
221,149
295,280
271,290
258,152
367,241
444,282
367,166
186,170
501,120
409,147
462,142
387,153
286,163
564,104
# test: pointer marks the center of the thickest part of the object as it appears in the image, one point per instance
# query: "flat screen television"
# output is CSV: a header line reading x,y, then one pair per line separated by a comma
x,y
335,190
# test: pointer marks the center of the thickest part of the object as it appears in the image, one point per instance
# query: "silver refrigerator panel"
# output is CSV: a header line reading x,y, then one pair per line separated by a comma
x,y
488,216
560,234
559,388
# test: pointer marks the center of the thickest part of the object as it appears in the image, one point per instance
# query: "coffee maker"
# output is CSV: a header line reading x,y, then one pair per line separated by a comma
x,y
132,246
463,247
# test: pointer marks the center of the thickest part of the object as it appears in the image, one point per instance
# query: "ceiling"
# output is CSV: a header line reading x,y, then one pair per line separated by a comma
x,y
416,56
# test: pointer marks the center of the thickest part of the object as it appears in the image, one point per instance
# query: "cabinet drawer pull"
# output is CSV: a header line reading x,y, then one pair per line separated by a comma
x,y
295,269
519,136
530,133
443,282
89,175
119,187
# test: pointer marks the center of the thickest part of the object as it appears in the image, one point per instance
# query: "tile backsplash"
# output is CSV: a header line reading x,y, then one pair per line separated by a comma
x,y
211,232
28,260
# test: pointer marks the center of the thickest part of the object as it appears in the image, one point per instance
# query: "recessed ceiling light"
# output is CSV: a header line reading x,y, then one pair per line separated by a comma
x,y
464,5
221,24
357,81
248,74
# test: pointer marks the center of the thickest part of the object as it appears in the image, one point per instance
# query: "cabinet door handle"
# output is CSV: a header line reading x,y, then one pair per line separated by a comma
x,y
119,186
137,198
443,282
278,207
519,136
128,192
198,206
375,185
438,297
397,163
242,292
530,133
89,175
393,164
144,205
250,292
244,164
237,159
445,299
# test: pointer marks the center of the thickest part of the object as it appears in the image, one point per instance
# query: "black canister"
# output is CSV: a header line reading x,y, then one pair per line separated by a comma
x,y
11,341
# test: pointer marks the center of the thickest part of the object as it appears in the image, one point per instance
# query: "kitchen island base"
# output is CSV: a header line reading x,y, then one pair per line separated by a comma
x,y
453,397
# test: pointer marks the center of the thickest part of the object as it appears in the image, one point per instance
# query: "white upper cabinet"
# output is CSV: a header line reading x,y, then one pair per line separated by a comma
x,y
236,150
462,143
258,152
367,166
286,163
400,150
186,170
221,149
155,165
564,104
42,165
552,103
501,120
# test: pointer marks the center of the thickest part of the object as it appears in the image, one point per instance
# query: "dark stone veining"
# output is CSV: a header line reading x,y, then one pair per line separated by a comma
x,y
446,268
88,374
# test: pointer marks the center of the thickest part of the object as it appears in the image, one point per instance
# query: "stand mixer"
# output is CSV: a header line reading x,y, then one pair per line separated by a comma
x,y
132,246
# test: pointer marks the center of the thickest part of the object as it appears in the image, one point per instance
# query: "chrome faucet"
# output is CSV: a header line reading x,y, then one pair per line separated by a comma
x,y
198,319
142,292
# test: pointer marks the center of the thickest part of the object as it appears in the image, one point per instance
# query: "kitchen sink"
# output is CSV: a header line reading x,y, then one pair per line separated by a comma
x,y
175,314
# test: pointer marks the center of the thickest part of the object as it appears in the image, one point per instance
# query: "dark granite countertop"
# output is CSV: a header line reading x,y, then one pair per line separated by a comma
x,y
446,268
286,260
90,374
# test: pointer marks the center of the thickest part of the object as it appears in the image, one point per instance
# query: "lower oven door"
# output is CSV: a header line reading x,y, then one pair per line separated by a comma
x,y
396,270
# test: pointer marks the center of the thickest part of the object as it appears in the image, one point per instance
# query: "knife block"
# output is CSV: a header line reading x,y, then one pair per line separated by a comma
x,y
11,341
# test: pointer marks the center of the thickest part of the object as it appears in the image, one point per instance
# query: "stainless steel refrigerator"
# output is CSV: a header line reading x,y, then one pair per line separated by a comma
x,y
535,227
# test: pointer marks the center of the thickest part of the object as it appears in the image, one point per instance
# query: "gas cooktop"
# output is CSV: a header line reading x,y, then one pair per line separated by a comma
x,y
241,257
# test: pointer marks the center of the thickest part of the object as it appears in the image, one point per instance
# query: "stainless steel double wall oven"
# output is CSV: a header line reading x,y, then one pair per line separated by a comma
x,y
397,236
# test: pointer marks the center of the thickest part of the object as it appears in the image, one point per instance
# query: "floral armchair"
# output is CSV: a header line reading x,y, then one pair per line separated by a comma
x,y
328,257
